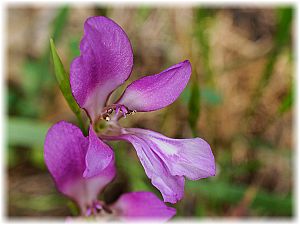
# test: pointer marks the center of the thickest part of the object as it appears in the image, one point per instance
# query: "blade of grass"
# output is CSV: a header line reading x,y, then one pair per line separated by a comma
x,y
222,192
194,107
33,82
142,13
284,18
39,203
284,22
287,102
132,168
64,85
26,132
59,22
203,20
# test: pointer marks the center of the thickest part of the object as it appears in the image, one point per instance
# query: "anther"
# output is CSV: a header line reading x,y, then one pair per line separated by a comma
x,y
88,211
131,112
109,111
116,109
124,113
97,207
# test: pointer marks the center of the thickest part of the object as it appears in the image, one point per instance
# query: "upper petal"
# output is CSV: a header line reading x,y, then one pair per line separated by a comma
x,y
142,205
105,62
191,158
157,91
65,150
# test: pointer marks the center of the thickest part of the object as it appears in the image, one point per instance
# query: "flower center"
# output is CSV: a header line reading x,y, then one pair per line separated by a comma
x,y
115,112
107,122
97,209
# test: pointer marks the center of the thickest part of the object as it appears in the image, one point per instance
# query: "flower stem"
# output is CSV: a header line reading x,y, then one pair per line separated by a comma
x,y
81,123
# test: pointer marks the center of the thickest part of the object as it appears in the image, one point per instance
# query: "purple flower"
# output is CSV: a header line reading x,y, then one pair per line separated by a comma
x,y
70,156
105,63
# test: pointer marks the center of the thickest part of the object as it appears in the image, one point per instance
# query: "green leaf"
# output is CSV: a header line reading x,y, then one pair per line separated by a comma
x,y
211,96
186,95
284,21
142,13
12,158
223,192
40,203
132,168
207,95
73,208
73,46
33,68
101,10
64,84
203,20
26,132
287,102
37,157
282,36
59,22
63,79
194,107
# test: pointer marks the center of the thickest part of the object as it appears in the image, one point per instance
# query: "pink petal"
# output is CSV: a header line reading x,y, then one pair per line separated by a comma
x,y
191,158
105,63
166,161
157,91
65,151
171,187
142,205
98,155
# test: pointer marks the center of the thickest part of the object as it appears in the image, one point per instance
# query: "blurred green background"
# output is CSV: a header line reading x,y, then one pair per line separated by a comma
x,y
240,99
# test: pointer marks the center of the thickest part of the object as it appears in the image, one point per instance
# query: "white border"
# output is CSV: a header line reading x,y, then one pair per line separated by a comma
x,y
3,5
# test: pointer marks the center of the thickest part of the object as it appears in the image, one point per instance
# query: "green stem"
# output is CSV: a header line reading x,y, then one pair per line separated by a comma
x,y
81,123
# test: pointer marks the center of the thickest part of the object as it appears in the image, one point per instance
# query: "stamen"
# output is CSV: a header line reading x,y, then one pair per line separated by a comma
x,y
132,112
95,209
109,111
124,111
98,206
88,211
118,109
